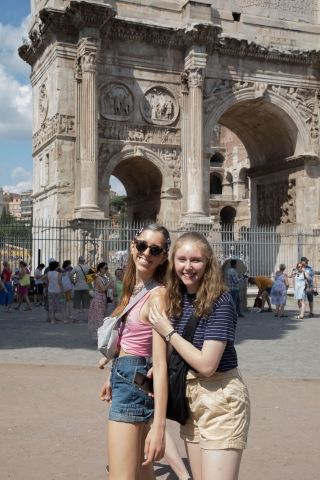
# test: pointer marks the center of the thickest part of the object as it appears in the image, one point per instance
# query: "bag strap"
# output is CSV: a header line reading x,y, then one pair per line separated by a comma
x,y
137,298
83,273
190,328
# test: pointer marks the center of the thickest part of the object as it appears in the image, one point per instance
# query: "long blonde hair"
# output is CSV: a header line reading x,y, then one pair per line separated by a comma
x,y
211,287
129,278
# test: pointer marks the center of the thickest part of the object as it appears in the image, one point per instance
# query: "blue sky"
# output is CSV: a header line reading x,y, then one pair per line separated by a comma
x,y
15,101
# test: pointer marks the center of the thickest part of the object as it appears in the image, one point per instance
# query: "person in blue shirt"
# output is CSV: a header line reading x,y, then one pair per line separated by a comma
x,y
233,281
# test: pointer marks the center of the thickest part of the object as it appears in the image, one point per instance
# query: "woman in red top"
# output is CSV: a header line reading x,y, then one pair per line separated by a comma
x,y
6,295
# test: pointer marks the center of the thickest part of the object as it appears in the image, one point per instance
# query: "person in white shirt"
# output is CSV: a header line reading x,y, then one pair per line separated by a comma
x,y
81,298
38,282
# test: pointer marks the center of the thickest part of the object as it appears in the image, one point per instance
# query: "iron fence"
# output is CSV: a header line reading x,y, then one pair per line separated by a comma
x,y
261,248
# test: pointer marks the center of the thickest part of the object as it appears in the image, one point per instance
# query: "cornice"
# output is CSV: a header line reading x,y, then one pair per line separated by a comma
x,y
243,48
202,34
64,25
294,162
67,25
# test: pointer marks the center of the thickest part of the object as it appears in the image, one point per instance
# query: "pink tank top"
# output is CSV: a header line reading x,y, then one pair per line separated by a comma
x,y
136,337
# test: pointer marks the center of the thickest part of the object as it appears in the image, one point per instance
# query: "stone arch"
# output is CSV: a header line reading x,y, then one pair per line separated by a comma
x,y
217,158
227,215
250,117
145,176
215,184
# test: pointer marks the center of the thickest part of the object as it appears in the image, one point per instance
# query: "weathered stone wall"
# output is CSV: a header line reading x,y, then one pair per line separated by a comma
x,y
115,95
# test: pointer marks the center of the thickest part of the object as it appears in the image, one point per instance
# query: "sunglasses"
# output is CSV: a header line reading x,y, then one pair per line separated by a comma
x,y
154,250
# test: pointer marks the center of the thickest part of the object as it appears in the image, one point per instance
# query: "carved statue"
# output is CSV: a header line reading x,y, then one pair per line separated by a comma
x,y
43,103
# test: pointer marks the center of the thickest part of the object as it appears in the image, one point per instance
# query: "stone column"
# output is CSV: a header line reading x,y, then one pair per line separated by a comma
x,y
194,67
184,141
88,128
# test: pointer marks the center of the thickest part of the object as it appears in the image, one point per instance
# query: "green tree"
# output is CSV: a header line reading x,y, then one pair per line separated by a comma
x,y
119,204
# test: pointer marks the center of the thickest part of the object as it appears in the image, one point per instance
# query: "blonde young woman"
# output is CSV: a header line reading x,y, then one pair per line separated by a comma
x,y
215,433
136,425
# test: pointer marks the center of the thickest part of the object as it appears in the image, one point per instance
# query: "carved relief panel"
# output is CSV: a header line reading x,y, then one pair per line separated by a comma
x,y
116,102
43,103
159,106
277,202
138,133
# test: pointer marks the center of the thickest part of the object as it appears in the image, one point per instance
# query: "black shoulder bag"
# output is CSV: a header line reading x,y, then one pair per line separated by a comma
x,y
177,408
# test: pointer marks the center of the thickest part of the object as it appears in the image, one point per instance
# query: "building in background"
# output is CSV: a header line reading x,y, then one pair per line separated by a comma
x,y
12,204
26,206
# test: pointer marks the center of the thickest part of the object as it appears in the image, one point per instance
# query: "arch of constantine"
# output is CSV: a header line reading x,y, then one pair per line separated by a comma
x,y
139,90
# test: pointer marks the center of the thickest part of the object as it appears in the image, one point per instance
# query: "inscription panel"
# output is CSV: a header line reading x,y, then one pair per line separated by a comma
x,y
305,10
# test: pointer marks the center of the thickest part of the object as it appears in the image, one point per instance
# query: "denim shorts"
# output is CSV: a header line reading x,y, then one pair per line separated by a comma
x,y
129,403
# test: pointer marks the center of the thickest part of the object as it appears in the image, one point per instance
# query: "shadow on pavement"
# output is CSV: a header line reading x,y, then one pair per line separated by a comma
x,y
21,329
265,326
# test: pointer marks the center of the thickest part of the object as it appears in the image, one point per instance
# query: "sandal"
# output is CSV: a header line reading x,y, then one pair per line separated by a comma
x,y
298,317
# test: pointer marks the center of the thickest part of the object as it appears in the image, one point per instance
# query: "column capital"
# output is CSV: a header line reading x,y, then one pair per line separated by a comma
x,y
195,59
88,50
195,64
195,78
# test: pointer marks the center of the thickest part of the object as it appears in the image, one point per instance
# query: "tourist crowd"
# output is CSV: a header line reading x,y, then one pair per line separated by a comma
x,y
67,293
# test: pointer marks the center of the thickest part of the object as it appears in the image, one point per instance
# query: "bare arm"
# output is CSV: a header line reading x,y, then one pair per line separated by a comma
x,y
155,441
204,361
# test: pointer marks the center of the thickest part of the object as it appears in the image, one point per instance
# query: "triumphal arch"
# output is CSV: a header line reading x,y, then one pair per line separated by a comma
x,y
136,89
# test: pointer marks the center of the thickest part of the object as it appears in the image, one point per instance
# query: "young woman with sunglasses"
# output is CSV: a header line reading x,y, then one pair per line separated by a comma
x,y
215,433
136,425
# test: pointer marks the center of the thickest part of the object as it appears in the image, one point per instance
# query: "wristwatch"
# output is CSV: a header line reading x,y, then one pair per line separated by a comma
x,y
168,337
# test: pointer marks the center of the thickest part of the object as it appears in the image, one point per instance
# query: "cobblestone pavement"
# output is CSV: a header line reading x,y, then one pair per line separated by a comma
x,y
52,423
284,347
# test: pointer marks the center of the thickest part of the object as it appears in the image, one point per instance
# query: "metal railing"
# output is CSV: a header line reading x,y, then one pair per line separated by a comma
x,y
261,248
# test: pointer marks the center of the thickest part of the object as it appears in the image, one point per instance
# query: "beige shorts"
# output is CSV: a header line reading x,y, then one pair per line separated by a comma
x,y
220,411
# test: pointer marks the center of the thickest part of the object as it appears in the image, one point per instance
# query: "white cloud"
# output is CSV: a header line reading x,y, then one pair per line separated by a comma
x,y
15,94
19,187
11,38
22,179
20,173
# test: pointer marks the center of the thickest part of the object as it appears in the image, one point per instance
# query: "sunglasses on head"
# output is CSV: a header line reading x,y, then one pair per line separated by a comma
x,y
154,250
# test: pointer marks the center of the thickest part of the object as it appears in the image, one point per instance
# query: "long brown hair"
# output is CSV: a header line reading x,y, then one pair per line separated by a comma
x,y
129,278
211,287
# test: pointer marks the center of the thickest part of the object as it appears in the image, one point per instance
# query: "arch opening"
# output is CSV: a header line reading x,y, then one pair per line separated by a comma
x,y
215,185
142,181
266,131
227,215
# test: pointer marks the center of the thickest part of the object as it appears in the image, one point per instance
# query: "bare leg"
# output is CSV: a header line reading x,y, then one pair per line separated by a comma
x,y
301,305
268,301
173,458
311,307
125,462
221,464
28,302
194,456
